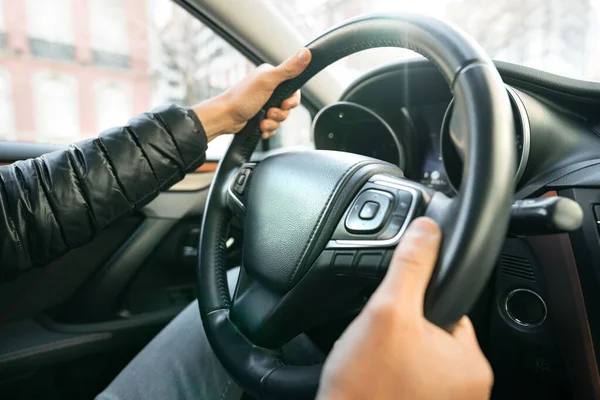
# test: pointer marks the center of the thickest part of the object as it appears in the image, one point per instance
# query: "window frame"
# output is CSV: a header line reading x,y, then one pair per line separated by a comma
x,y
311,106
307,101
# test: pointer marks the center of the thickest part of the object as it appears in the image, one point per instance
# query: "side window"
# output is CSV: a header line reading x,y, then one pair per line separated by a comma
x,y
2,25
71,68
56,108
108,33
113,104
49,22
7,125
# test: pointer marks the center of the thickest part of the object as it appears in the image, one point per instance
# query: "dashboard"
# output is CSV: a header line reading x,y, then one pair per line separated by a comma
x,y
410,139
414,135
402,113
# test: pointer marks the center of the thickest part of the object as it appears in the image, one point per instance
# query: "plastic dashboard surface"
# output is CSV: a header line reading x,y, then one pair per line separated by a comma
x,y
409,100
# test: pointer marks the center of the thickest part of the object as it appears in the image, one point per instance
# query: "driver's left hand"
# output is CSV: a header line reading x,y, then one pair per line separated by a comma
x,y
230,111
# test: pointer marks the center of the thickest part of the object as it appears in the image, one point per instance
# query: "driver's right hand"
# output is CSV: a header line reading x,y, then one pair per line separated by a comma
x,y
391,351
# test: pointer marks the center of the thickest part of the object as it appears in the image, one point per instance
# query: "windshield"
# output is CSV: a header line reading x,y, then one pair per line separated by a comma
x,y
558,36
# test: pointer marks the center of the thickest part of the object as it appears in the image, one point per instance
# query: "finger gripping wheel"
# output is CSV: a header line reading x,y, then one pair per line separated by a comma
x,y
293,207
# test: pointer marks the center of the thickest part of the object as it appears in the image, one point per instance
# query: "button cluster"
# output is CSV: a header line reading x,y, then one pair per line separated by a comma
x,y
361,263
403,200
377,213
369,211
241,179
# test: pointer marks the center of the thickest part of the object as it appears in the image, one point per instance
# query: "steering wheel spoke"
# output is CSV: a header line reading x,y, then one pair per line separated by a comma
x,y
270,319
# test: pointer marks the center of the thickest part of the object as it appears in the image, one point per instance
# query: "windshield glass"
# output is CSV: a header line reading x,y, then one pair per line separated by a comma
x,y
558,36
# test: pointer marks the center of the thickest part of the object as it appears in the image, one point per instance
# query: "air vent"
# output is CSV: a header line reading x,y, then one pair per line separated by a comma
x,y
518,267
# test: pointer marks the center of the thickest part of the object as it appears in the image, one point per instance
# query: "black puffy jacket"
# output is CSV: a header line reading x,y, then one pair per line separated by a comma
x,y
59,201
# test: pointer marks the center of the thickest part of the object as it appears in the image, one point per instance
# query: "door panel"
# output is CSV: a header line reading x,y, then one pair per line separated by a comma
x,y
44,288
114,276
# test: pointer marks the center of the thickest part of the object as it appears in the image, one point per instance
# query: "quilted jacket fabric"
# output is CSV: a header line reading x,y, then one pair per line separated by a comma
x,y
59,201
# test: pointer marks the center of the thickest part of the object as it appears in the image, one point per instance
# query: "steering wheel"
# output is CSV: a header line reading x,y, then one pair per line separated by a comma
x,y
320,226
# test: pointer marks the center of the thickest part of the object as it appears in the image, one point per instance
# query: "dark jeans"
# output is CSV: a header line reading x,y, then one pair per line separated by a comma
x,y
177,364
180,364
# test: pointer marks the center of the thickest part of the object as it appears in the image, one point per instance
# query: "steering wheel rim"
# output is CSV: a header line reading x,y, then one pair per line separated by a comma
x,y
474,224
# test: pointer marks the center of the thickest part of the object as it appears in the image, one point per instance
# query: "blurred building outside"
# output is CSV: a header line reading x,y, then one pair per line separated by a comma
x,y
558,36
70,68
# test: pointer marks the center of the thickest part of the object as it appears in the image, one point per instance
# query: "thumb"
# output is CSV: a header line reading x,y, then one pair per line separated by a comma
x,y
292,67
464,332
412,265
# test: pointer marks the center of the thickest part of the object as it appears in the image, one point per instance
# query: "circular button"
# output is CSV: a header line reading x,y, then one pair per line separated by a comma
x,y
526,308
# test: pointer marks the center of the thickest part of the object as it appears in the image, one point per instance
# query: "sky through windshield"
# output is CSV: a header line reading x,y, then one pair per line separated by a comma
x,y
557,36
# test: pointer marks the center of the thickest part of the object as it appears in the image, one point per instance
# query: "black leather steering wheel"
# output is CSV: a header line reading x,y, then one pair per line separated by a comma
x,y
320,227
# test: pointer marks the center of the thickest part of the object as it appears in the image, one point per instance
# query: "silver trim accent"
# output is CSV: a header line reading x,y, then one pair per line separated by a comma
x,y
193,181
176,205
525,131
392,183
236,199
234,175
399,146
515,319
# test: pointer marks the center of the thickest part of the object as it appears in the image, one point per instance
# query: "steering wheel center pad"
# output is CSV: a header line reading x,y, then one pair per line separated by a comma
x,y
293,208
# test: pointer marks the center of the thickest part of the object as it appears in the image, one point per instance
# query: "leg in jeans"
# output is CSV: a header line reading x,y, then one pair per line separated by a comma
x,y
177,364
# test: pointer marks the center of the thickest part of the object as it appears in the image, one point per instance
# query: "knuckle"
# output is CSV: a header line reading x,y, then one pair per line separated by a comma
x,y
265,80
480,373
291,103
410,261
263,75
283,115
276,114
487,373
264,68
475,381
288,70
385,313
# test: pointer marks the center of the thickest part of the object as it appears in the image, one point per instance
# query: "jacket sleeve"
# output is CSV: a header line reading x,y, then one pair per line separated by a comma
x,y
59,201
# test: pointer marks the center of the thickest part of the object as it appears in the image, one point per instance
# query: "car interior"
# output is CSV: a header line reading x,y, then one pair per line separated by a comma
x,y
505,157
